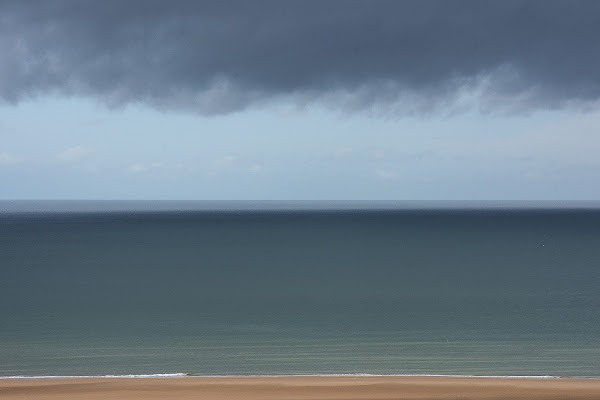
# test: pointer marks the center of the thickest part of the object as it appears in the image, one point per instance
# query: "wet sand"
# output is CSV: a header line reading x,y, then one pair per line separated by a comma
x,y
299,388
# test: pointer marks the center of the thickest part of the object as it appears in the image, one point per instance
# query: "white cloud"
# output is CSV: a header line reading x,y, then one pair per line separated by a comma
x,y
136,168
385,174
74,155
222,163
256,168
10,159
343,152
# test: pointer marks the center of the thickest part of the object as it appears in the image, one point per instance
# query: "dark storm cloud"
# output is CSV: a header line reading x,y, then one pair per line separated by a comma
x,y
220,56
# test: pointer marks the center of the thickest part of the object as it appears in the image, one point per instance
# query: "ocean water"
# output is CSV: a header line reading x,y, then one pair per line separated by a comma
x,y
299,288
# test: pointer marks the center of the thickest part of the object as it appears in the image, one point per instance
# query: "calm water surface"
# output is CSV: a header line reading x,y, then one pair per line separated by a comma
x,y
257,290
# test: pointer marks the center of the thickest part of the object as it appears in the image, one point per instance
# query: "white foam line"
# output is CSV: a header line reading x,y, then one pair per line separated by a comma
x,y
380,375
174,375
184,375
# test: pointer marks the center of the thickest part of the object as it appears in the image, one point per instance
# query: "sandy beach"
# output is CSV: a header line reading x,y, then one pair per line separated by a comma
x,y
299,388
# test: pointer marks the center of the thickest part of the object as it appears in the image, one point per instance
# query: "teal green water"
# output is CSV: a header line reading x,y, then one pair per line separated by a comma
x,y
482,292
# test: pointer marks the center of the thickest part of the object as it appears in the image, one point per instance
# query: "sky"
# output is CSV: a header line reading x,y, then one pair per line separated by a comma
x,y
299,100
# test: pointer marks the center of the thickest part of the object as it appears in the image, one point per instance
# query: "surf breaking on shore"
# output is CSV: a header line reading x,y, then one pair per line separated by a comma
x,y
192,375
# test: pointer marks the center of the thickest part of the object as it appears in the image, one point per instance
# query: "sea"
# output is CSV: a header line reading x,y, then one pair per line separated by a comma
x,y
113,288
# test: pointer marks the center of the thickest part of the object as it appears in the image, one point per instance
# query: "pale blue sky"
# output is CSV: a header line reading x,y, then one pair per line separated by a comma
x,y
76,148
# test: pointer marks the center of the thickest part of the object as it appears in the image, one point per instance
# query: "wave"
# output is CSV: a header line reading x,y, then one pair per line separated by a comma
x,y
171,375
359,375
189,375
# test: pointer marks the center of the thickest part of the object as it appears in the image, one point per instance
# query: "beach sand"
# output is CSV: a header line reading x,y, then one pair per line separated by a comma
x,y
298,388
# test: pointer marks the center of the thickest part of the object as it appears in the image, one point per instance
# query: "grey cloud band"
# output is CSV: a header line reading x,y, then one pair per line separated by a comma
x,y
222,56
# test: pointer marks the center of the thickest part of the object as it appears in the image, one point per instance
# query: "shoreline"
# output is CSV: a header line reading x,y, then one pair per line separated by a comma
x,y
334,375
347,387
